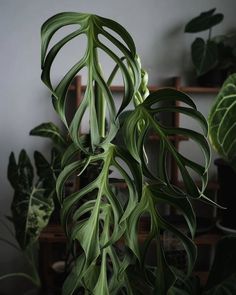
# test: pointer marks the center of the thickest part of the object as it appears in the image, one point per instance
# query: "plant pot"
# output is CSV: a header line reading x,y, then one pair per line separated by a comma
x,y
226,195
213,78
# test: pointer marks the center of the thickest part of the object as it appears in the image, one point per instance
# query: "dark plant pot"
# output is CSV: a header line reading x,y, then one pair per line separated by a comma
x,y
213,78
227,193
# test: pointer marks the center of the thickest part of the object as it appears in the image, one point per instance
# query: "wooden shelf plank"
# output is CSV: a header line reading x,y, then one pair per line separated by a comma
x,y
114,88
200,90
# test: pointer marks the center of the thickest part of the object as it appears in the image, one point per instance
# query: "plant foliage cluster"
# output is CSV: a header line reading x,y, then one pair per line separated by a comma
x,y
102,231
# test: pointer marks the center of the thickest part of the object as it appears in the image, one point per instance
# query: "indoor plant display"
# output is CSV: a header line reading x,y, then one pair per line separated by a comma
x,y
110,259
215,57
34,196
222,133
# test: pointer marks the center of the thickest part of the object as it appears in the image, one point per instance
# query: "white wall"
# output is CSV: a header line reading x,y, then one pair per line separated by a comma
x,y
156,26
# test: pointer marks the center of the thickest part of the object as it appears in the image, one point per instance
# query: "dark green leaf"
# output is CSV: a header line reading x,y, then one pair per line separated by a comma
x,y
222,124
30,209
204,55
204,21
51,131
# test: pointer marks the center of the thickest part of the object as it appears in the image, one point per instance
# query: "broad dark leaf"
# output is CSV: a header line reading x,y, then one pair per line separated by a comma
x,y
204,55
30,208
206,20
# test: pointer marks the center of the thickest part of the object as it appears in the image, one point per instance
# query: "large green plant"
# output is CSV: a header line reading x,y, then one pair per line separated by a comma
x,y
102,232
222,122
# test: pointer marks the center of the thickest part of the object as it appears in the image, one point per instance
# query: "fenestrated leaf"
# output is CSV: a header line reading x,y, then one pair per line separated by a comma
x,y
93,217
92,26
86,218
145,115
222,123
204,55
204,21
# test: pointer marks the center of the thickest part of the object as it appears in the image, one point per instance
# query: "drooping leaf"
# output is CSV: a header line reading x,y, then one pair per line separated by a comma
x,y
92,27
222,123
145,115
93,217
204,55
51,131
206,20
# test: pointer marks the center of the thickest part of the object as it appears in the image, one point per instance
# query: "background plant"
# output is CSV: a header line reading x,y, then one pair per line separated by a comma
x,y
222,275
34,197
222,122
215,52
94,219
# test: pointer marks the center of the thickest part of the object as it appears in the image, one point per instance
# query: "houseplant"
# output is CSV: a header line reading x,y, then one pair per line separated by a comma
x,y
222,122
215,57
34,199
102,232
222,275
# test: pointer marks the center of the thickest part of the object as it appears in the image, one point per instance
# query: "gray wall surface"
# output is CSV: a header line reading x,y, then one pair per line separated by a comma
x,y
157,28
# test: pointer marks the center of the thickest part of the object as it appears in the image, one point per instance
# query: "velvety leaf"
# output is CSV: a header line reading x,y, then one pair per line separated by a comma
x,y
206,20
204,55
222,124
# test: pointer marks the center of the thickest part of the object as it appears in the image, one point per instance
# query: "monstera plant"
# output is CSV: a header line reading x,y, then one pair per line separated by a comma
x,y
102,231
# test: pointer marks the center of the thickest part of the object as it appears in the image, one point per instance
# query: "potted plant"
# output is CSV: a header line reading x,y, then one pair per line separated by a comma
x,y
214,58
103,232
222,122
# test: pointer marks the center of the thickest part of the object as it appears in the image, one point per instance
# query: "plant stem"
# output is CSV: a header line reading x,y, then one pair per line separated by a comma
x,y
209,35
30,256
100,103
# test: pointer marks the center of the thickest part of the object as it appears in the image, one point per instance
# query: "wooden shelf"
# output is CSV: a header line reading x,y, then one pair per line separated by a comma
x,y
53,233
152,88
114,88
200,90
